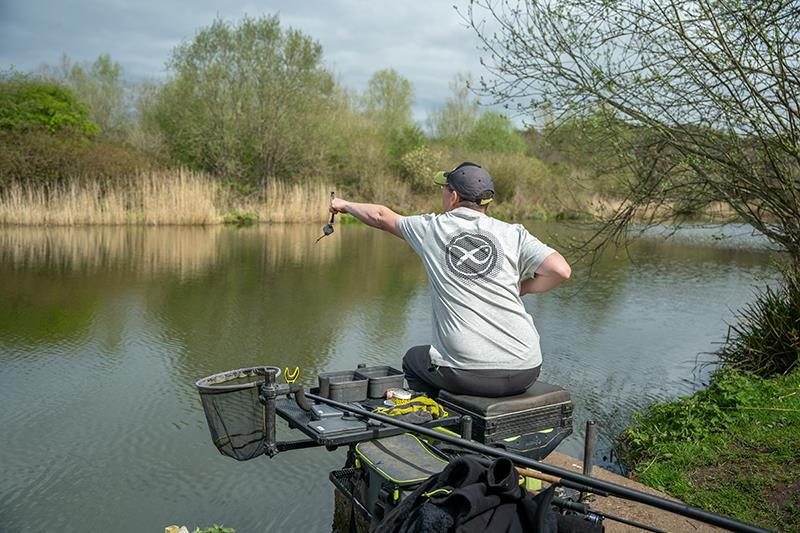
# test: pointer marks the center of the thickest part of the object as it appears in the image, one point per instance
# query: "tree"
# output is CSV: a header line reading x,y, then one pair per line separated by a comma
x,y
494,132
457,118
699,98
403,141
100,85
245,101
29,104
388,100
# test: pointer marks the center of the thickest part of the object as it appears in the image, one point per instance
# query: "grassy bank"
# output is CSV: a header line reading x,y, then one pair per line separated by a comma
x,y
732,448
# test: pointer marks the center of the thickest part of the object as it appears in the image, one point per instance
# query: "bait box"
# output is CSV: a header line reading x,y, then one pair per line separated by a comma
x,y
381,379
343,386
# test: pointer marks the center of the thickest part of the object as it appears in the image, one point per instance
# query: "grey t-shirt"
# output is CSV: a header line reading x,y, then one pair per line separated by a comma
x,y
475,264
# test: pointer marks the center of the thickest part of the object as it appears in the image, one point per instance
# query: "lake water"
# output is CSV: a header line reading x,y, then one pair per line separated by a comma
x,y
103,332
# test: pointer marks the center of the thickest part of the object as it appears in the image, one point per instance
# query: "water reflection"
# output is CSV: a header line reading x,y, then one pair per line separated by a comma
x,y
103,332
145,251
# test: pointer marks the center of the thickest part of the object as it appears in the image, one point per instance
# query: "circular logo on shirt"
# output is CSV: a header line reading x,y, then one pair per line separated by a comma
x,y
472,255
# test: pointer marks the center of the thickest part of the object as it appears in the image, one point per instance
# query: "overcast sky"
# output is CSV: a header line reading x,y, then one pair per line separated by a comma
x,y
426,41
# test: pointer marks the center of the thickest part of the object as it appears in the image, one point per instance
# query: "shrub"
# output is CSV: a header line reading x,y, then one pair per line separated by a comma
x,y
513,174
418,166
45,158
28,104
766,336
402,141
494,132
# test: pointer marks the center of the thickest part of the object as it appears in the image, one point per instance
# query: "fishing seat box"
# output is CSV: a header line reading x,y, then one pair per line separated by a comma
x,y
542,407
389,469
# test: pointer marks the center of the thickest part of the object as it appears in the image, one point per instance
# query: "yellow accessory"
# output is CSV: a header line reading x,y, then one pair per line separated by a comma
x,y
420,403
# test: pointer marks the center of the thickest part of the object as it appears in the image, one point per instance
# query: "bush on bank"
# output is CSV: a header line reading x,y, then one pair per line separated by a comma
x,y
765,339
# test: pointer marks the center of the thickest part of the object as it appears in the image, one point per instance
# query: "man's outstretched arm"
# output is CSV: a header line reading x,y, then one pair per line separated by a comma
x,y
377,216
553,271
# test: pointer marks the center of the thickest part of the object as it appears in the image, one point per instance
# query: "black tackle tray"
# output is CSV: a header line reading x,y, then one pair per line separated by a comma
x,y
381,379
288,409
343,386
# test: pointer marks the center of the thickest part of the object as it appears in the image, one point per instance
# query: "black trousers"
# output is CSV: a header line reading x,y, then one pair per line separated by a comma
x,y
422,376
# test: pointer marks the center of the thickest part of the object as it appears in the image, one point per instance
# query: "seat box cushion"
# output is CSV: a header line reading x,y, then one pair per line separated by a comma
x,y
541,394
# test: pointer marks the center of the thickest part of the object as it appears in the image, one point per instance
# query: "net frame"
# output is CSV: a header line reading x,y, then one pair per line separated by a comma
x,y
235,416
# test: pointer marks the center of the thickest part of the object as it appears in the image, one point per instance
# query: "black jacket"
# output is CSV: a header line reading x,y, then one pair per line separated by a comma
x,y
468,496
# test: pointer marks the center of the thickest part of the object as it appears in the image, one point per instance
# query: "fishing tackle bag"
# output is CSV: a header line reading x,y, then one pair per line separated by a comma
x,y
388,469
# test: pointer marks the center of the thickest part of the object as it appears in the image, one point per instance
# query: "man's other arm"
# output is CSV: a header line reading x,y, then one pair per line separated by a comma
x,y
553,271
377,216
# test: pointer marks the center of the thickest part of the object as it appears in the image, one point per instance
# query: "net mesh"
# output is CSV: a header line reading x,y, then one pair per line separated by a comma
x,y
235,416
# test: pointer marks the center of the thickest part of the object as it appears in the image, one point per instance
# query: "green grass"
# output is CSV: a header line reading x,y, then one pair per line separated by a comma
x,y
733,448
215,529
240,219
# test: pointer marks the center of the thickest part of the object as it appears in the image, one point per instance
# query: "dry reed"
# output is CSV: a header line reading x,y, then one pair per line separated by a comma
x,y
299,202
177,197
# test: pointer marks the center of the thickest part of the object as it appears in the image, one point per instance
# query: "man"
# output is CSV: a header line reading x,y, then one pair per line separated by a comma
x,y
484,342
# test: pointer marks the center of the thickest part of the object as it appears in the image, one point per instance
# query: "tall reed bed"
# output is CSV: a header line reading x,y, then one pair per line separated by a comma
x,y
173,197
299,202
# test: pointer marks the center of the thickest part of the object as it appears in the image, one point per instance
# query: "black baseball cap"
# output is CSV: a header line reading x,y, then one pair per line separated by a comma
x,y
470,181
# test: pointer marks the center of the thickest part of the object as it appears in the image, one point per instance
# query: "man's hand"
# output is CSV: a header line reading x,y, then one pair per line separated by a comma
x,y
377,216
338,206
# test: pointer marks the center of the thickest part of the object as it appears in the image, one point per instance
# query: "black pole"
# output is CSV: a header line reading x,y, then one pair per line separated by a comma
x,y
269,392
589,440
611,488
588,447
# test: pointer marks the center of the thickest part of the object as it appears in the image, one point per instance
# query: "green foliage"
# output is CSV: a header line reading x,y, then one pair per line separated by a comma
x,y
252,100
766,336
355,151
240,219
455,120
215,529
693,418
418,166
388,100
45,137
494,132
28,104
246,101
731,448
403,141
